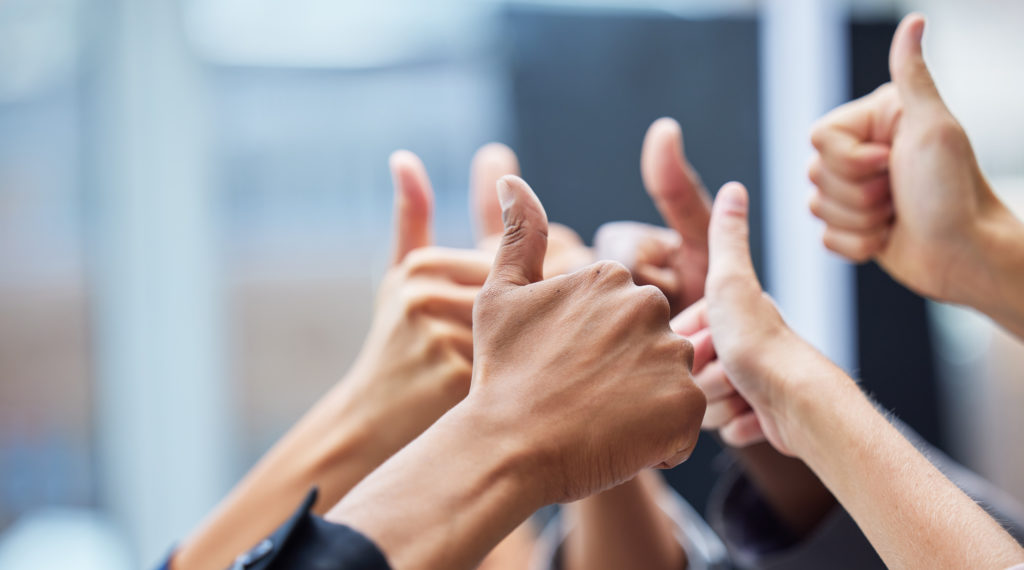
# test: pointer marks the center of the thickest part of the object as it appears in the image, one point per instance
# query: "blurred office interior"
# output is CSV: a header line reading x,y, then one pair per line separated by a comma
x,y
195,213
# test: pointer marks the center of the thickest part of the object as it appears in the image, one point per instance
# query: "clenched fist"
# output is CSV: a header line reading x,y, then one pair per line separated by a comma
x,y
583,367
897,181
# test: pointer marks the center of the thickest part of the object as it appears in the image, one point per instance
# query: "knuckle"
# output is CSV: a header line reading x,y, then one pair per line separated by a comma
x,y
727,282
862,249
814,204
415,300
684,351
863,198
486,298
816,172
516,230
819,133
418,260
653,301
611,271
948,133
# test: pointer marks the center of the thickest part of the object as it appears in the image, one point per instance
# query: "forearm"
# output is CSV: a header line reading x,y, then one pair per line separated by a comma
x,y
623,527
787,485
447,498
1001,296
912,514
331,447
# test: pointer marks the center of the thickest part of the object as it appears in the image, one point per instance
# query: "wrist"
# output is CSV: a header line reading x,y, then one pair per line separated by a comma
x,y
806,392
448,497
998,276
828,396
511,456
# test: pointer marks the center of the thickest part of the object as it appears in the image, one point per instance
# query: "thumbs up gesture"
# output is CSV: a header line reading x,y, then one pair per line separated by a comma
x,y
566,251
417,359
897,182
673,259
581,369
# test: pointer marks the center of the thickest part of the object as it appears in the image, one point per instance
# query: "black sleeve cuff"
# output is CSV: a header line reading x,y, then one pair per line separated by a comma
x,y
307,541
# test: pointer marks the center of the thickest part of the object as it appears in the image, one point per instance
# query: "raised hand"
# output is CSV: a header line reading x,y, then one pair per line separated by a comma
x,y
898,182
566,251
417,359
807,407
578,384
675,259
416,363
749,334
590,346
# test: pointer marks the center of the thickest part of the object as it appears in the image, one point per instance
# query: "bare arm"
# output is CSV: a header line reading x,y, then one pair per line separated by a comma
x,y
1001,295
807,407
898,182
623,527
549,356
413,367
913,515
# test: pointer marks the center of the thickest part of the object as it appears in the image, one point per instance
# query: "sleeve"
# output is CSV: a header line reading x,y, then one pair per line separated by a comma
x,y
308,541
704,550
756,540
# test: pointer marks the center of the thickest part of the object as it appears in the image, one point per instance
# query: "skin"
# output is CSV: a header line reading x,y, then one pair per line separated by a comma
x,y
808,408
416,364
897,182
549,357
675,259
624,523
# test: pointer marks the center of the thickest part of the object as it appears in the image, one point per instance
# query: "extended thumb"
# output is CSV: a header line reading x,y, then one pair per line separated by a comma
x,y
907,67
414,204
520,257
729,238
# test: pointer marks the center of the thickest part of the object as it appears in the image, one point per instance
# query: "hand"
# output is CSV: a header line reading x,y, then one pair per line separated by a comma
x,y
728,412
605,382
808,408
898,182
761,357
578,384
566,252
417,360
676,259
414,366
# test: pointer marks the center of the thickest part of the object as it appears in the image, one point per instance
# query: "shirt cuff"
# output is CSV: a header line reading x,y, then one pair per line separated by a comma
x,y
308,541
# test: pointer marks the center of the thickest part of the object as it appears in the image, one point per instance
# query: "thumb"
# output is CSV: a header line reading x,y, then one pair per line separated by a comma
x,y
906,65
490,163
414,204
520,257
672,183
729,243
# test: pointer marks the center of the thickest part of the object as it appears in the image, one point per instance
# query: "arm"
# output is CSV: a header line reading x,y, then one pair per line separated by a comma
x,y
805,406
446,499
1001,236
414,366
912,514
623,527
898,182
548,357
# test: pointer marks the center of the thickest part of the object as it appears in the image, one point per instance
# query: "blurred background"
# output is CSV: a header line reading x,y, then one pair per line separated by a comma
x,y
195,203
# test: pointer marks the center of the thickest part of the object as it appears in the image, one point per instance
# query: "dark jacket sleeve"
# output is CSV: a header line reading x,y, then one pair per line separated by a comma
x,y
306,541
756,540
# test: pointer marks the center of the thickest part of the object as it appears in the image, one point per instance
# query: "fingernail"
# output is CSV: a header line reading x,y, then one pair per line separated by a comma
x,y
505,195
734,198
